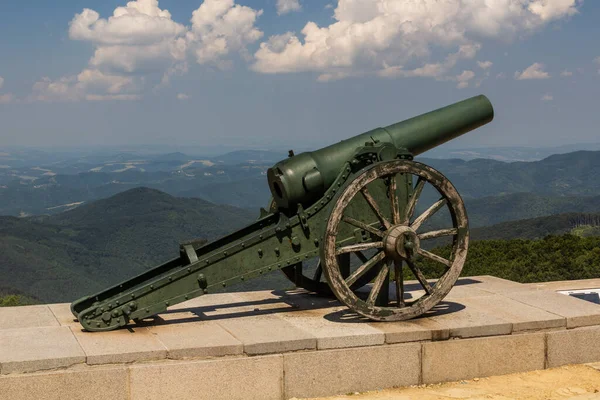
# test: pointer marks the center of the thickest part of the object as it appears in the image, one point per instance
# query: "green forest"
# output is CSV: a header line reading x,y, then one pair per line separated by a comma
x,y
552,258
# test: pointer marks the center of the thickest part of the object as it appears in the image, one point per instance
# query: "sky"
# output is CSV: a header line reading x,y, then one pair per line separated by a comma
x,y
292,73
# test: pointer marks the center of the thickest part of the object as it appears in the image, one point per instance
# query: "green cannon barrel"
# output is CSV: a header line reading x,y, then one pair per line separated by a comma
x,y
303,178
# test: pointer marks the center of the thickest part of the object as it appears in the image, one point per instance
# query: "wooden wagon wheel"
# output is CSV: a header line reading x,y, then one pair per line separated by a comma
x,y
398,242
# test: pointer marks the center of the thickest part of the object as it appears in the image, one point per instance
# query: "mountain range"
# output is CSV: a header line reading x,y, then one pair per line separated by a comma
x,y
239,179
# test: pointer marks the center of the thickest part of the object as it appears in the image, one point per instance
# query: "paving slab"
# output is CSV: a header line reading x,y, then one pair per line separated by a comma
x,y
90,384
573,346
463,291
334,333
522,316
244,378
196,339
566,285
454,360
120,346
268,334
304,300
576,311
330,372
492,284
463,322
231,305
36,349
62,313
407,331
26,317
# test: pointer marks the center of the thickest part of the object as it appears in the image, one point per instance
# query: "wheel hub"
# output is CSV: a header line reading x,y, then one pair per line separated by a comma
x,y
401,242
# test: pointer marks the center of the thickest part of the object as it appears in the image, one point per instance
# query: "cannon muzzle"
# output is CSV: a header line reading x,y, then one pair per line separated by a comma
x,y
303,178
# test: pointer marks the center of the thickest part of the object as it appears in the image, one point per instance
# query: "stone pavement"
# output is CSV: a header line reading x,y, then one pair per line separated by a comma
x,y
276,345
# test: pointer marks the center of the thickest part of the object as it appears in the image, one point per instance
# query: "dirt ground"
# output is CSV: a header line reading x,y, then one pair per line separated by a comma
x,y
579,382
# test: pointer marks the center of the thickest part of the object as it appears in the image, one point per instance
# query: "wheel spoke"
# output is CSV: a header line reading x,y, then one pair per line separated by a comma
x,y
439,233
420,277
375,207
410,207
399,283
358,247
394,201
428,213
360,271
318,272
434,257
362,225
378,284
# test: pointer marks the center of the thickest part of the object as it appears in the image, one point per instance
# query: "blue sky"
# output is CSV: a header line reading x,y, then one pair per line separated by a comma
x,y
277,73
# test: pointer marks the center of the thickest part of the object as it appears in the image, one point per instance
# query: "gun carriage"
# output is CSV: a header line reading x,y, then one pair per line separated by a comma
x,y
358,198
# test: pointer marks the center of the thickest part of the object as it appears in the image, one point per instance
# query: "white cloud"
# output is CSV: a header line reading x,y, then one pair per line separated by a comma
x,y
220,27
485,64
437,71
1,82
140,44
372,36
90,84
107,97
534,71
139,22
182,96
597,61
138,38
566,73
287,6
464,78
547,97
6,98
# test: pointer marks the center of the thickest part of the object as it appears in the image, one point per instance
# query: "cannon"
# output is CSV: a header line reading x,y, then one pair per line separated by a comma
x,y
345,220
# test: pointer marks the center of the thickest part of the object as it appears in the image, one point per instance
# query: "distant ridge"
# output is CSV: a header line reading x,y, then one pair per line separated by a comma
x,y
534,228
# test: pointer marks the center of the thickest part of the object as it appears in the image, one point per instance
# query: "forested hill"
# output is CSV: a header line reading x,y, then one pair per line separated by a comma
x,y
511,207
580,224
62,257
571,174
